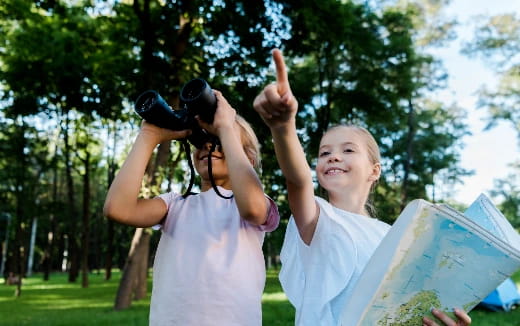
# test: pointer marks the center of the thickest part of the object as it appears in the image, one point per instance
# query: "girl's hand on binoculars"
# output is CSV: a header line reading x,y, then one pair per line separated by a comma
x,y
224,118
159,135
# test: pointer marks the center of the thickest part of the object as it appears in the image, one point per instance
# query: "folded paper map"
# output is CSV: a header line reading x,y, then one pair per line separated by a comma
x,y
434,257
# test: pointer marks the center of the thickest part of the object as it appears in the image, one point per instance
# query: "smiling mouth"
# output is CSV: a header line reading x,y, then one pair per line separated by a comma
x,y
334,171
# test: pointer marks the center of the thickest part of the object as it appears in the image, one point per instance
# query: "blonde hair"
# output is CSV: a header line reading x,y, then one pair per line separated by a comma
x,y
249,142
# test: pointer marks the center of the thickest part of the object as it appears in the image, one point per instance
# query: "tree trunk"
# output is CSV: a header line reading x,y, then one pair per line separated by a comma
x,y
409,154
30,261
110,224
47,253
128,284
21,200
141,237
110,250
72,244
85,236
141,286
19,252
5,245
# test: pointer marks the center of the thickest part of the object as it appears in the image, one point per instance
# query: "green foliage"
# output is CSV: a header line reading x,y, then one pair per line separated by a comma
x,y
353,65
78,66
431,26
55,75
508,190
497,42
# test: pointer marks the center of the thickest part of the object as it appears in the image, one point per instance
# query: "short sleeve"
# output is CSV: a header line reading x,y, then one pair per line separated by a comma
x,y
273,217
168,199
292,276
323,268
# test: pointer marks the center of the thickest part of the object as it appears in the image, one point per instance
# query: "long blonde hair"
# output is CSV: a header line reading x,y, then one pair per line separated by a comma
x,y
249,142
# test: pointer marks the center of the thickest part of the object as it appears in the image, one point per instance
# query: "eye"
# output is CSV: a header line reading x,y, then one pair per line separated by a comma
x,y
325,153
348,150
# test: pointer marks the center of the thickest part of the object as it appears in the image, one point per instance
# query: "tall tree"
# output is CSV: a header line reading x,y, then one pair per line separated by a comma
x,y
59,81
22,162
497,42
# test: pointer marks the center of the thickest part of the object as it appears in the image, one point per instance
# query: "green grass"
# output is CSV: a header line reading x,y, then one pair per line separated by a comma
x,y
58,302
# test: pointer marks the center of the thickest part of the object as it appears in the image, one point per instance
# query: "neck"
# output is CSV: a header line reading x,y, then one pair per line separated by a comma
x,y
349,201
206,184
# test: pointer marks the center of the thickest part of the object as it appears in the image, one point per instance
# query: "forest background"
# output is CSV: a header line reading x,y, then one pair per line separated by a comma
x,y
70,72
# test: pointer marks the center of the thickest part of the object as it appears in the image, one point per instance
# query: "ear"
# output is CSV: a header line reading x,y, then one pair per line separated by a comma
x,y
376,172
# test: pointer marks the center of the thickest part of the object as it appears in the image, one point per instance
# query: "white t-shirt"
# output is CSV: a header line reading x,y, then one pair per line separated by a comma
x,y
209,267
319,278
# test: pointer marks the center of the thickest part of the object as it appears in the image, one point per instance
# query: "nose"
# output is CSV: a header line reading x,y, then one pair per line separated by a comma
x,y
333,157
207,146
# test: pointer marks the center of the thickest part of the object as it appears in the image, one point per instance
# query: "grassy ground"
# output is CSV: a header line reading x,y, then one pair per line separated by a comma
x,y
57,303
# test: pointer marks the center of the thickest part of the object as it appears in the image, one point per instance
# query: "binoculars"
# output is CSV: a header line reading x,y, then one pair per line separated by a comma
x,y
196,98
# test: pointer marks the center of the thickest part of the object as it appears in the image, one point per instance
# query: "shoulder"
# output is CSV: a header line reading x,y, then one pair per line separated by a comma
x,y
273,216
171,198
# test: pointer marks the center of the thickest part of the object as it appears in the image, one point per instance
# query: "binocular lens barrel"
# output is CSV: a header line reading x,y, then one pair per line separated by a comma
x,y
198,98
193,89
146,101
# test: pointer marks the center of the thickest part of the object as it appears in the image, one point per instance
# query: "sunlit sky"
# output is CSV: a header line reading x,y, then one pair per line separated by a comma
x,y
488,153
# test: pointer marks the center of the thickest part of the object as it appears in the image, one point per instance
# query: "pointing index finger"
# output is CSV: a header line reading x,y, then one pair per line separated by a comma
x,y
282,81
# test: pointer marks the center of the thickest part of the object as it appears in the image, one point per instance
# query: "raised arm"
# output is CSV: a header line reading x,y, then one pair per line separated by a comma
x,y
122,203
278,107
247,188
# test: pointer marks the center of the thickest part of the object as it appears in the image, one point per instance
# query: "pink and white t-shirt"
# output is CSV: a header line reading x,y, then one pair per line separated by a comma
x,y
209,267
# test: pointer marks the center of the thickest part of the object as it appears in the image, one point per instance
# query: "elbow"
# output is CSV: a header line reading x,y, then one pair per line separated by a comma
x,y
108,211
256,216
111,213
255,219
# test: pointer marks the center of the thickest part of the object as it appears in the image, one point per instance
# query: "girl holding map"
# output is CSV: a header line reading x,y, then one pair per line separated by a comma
x,y
327,243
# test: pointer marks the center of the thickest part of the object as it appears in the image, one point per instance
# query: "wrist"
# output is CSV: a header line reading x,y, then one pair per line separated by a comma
x,y
148,138
227,129
283,128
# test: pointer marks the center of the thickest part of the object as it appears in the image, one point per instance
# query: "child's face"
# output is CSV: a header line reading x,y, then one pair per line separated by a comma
x,y
218,164
343,162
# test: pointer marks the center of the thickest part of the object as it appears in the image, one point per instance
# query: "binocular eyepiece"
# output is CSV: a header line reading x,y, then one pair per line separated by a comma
x,y
196,98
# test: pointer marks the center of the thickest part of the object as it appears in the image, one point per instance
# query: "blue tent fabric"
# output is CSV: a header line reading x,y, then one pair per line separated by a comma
x,y
504,298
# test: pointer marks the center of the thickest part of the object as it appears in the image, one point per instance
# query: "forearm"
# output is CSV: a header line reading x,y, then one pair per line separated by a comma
x,y
122,197
290,156
300,188
247,188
